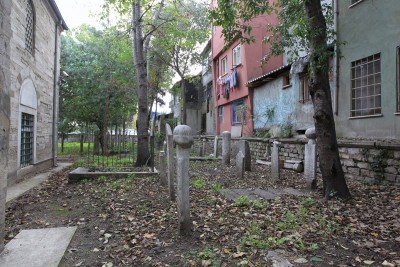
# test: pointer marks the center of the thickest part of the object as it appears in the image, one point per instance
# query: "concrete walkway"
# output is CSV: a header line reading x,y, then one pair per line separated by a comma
x,y
36,247
18,189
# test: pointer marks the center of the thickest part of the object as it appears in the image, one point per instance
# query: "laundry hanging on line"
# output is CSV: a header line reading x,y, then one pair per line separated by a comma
x,y
228,83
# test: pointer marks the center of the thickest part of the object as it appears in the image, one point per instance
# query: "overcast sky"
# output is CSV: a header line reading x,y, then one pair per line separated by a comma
x,y
77,12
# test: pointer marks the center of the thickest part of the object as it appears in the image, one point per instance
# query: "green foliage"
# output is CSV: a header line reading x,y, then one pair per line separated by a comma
x,y
216,188
289,222
308,202
286,130
242,201
99,85
207,255
198,183
102,179
72,148
260,205
254,239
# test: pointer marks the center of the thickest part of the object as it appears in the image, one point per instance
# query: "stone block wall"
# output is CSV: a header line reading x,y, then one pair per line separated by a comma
x,y
37,69
5,76
365,160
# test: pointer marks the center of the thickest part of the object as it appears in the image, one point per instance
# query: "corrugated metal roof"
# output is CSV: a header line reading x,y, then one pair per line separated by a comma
x,y
268,76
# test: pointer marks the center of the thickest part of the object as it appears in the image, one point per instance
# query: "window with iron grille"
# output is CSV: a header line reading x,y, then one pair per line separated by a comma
x,y
26,139
30,27
366,86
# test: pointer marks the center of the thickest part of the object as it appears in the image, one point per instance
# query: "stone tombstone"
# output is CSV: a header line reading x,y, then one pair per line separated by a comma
x,y
245,149
216,147
236,131
163,173
275,162
226,148
170,161
165,146
184,140
240,165
310,159
203,147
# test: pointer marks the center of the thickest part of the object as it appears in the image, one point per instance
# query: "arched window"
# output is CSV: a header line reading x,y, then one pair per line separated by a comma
x,y
30,27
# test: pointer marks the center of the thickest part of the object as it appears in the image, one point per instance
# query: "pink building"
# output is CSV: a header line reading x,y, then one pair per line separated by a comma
x,y
233,66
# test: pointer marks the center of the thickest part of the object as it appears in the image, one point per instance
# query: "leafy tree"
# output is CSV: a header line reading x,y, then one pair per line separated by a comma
x,y
302,27
145,20
179,40
99,87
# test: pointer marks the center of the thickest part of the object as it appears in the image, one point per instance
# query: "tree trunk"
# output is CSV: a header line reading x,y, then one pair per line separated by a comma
x,y
143,154
329,161
183,101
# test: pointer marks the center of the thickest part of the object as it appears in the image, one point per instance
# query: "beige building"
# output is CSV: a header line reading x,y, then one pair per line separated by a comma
x,y
34,82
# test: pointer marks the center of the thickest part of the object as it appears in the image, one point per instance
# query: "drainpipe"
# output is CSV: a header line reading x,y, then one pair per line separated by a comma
x,y
336,58
55,83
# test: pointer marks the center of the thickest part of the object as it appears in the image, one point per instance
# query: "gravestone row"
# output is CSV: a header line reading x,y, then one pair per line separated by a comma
x,y
183,139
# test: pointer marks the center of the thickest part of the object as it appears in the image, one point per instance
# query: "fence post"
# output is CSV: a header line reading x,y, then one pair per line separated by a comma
x,y
184,141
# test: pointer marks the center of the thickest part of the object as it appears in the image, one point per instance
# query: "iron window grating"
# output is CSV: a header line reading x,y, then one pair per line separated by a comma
x,y
366,86
26,139
30,24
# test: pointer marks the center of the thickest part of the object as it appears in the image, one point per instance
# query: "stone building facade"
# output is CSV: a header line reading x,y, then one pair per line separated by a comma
x,y
34,46
5,35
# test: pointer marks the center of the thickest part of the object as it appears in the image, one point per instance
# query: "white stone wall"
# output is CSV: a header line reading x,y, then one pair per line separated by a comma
x,y
37,69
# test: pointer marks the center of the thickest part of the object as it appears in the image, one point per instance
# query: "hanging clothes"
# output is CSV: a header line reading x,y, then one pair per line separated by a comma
x,y
235,78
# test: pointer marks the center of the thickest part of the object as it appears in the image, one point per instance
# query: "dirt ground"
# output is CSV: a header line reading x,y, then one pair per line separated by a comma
x,y
131,222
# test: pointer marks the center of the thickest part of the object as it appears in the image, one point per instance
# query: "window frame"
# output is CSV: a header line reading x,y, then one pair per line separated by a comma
x,y
235,117
361,87
286,80
305,96
220,114
27,139
224,65
30,26
236,56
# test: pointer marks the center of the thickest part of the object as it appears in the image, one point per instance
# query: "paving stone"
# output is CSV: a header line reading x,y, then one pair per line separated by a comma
x,y
37,248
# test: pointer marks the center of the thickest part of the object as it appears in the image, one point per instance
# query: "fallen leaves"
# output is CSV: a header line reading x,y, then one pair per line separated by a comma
x,y
137,225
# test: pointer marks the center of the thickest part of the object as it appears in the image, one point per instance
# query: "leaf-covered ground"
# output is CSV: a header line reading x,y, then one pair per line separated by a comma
x,y
131,222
